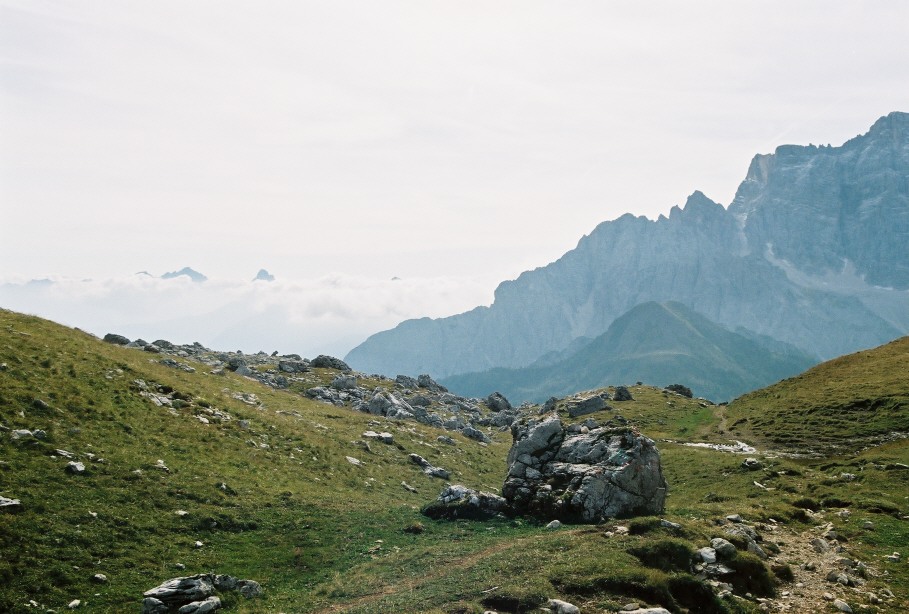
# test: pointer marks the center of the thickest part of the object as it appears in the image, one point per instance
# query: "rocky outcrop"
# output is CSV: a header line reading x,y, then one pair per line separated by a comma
x,y
195,594
582,475
811,252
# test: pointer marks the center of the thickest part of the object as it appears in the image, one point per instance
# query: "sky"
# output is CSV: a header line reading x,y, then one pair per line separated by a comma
x,y
342,144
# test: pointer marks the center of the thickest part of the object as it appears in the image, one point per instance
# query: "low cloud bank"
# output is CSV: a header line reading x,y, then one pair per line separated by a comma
x,y
325,315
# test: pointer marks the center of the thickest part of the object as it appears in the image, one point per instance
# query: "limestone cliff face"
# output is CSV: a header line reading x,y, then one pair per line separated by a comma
x,y
812,252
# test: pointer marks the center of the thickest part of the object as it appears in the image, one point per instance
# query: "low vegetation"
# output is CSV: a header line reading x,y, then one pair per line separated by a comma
x,y
239,478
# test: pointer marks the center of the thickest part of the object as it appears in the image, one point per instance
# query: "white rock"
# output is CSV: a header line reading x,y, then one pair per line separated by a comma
x,y
557,606
75,603
555,524
842,606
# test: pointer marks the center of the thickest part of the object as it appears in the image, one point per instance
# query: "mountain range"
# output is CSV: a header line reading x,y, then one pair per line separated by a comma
x,y
664,343
811,253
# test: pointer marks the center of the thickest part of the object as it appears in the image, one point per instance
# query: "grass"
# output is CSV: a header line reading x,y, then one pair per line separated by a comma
x,y
276,501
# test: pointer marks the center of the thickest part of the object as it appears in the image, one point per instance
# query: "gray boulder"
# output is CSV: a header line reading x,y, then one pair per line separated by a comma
x,y
583,477
428,468
115,339
424,381
180,591
201,607
497,402
587,406
457,501
330,362
622,394
344,382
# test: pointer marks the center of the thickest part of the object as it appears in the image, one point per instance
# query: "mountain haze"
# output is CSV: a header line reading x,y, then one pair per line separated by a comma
x,y
811,252
657,343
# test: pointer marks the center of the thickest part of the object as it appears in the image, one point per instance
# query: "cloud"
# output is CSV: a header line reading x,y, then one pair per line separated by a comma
x,y
328,314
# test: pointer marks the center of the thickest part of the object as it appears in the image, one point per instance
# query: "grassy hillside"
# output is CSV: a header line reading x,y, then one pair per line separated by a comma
x,y
846,403
656,343
269,493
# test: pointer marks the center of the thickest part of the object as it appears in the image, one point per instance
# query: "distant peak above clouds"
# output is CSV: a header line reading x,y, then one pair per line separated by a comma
x,y
186,272
263,275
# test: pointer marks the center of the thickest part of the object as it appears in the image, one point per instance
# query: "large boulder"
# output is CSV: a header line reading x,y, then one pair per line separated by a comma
x,y
330,362
582,477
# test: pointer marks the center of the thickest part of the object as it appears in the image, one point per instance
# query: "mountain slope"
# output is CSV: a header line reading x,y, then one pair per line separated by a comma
x,y
811,252
266,489
657,343
847,403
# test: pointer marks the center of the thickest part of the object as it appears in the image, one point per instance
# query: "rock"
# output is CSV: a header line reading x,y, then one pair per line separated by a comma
x,y
10,504
20,434
457,501
734,518
75,603
163,344
842,606
685,391
725,550
151,605
151,347
429,469
249,588
115,339
293,366
353,461
752,464
497,402
330,362
384,437
180,591
424,381
622,394
707,555
100,578
75,468
408,487
557,606
344,381
476,434
445,439
245,371
648,611
555,524
820,545
673,526
384,403
583,477
587,406
201,607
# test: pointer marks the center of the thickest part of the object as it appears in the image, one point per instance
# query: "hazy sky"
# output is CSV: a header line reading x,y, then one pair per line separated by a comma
x,y
457,140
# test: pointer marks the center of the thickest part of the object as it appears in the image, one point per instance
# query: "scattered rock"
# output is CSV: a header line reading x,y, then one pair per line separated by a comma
x,y
408,487
75,603
557,606
115,339
622,394
707,555
752,464
497,402
445,439
724,549
424,381
353,461
100,578
330,362
75,468
10,504
555,524
457,501
201,607
16,434
384,436
587,406
344,381
842,606
429,469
